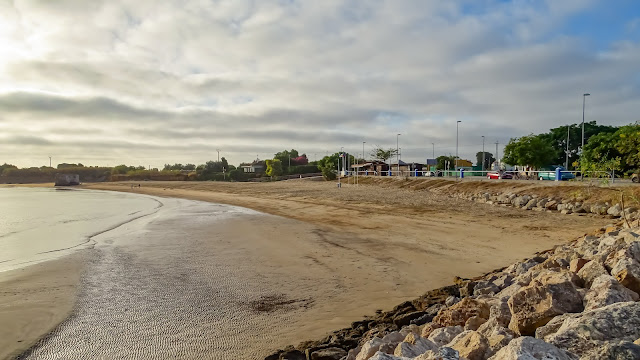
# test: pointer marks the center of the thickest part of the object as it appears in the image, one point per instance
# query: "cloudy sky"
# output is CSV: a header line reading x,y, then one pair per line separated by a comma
x,y
153,82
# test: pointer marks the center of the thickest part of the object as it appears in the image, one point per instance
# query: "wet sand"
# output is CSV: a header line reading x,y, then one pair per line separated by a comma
x,y
261,282
34,300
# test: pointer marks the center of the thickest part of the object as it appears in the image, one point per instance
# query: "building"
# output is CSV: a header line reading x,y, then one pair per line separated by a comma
x,y
67,179
257,166
374,167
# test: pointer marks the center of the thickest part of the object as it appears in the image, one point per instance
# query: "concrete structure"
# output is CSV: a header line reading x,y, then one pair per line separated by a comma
x,y
67,179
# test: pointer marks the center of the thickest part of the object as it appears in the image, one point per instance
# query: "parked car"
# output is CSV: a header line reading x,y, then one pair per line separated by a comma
x,y
551,175
429,173
498,175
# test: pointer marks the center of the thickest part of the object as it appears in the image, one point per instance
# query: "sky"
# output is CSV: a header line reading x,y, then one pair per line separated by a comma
x,y
155,82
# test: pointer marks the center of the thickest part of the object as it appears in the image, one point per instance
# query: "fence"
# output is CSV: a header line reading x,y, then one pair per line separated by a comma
x,y
507,174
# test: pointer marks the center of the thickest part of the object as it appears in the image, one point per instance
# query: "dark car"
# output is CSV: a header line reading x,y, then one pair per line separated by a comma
x,y
499,175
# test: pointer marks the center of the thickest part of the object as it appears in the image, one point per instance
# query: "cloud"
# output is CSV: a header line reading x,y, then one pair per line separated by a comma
x,y
173,81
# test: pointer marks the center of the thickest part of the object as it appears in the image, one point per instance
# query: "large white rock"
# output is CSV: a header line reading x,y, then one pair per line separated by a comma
x,y
369,348
414,345
443,336
382,356
591,271
584,332
529,348
606,290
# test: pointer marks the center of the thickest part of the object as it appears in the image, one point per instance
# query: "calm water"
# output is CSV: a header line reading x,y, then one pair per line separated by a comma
x,y
38,224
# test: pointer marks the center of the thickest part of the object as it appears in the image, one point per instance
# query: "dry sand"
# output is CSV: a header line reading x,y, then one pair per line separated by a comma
x,y
376,246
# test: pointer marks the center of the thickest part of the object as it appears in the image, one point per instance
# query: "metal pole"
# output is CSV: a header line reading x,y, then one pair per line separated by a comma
x,y
398,154
341,159
483,159
566,161
497,157
456,159
49,161
218,150
584,97
433,155
363,160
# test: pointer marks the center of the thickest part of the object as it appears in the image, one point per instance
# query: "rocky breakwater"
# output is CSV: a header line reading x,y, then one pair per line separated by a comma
x,y
564,205
576,301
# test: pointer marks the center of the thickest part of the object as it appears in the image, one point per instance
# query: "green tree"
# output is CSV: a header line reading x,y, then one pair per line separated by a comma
x,y
623,145
557,138
529,150
488,159
383,154
5,166
285,155
274,167
442,162
237,175
121,169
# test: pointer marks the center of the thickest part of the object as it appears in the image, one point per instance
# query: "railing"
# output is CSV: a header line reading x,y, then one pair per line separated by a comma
x,y
507,174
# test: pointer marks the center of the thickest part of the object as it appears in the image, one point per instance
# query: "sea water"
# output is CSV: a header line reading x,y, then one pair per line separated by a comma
x,y
39,224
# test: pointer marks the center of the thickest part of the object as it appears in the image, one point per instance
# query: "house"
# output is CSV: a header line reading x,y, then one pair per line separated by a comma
x,y
257,166
408,169
374,167
461,163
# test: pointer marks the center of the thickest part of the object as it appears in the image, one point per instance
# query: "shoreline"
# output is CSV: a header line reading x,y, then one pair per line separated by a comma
x,y
432,241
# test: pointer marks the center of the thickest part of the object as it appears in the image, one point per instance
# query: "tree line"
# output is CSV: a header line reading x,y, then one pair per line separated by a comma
x,y
606,148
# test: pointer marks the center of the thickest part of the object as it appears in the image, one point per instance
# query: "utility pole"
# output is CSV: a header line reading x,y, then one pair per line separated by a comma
x,y
433,155
497,157
218,150
483,159
49,161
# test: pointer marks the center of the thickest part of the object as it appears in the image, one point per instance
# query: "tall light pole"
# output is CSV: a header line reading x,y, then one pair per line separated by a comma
x,y
566,161
363,160
584,97
497,157
49,161
433,154
341,158
483,160
456,159
218,150
398,153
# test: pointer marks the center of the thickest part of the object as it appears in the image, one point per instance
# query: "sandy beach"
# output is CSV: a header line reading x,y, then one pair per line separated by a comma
x,y
336,256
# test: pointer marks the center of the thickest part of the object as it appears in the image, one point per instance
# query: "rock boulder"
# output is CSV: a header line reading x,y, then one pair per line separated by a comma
x,y
606,290
529,348
549,295
471,345
582,333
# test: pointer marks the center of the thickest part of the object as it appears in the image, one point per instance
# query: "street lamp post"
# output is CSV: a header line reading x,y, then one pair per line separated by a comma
x,y
584,97
363,160
456,159
433,154
483,160
566,161
398,153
